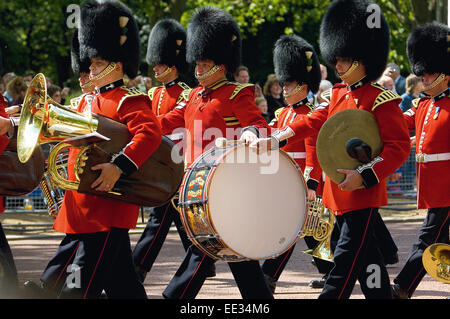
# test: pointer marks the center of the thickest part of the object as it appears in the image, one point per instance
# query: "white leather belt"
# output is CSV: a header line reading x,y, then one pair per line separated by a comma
x,y
175,136
425,158
297,154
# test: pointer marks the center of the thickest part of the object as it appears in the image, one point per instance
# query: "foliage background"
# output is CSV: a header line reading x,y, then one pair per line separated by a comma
x,y
35,37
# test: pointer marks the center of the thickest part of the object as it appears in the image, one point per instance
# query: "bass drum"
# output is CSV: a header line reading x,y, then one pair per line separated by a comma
x,y
236,205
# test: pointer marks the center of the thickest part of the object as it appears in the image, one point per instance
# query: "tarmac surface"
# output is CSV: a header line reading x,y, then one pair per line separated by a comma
x,y
32,251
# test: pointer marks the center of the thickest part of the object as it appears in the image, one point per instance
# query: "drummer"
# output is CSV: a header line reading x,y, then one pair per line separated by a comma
x,y
297,68
359,54
214,44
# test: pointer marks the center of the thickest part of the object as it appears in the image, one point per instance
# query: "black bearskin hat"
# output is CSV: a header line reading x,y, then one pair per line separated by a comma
x,y
295,60
428,49
213,34
356,29
77,65
108,30
167,45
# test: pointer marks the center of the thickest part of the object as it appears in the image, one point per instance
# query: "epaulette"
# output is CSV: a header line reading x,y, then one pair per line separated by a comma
x,y
185,93
385,96
415,102
278,112
151,92
74,102
326,95
239,88
131,92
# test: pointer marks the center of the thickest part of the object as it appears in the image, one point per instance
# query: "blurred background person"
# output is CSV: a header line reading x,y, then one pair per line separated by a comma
x,y
272,92
387,82
17,90
393,71
262,104
414,86
54,92
242,75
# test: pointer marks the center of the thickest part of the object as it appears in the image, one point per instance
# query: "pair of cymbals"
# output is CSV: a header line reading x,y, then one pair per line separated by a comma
x,y
338,133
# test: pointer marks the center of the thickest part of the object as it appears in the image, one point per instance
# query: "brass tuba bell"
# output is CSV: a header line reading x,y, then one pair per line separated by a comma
x,y
436,261
319,225
42,120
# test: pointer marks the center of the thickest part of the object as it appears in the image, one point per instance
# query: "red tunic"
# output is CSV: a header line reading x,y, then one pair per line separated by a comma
x,y
220,113
4,141
165,98
431,121
394,134
83,213
303,151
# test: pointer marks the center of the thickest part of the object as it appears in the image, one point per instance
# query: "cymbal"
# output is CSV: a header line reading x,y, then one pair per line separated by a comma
x,y
337,131
436,261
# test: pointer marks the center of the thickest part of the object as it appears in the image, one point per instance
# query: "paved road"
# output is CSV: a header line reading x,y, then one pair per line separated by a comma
x,y
32,255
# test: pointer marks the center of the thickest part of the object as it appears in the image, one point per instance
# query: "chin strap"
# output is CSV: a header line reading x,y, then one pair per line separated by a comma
x,y
353,67
161,77
111,66
206,75
435,83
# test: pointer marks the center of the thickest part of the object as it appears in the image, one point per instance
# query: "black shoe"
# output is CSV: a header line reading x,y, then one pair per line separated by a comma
x,y
211,272
141,273
398,293
271,283
318,284
391,260
33,290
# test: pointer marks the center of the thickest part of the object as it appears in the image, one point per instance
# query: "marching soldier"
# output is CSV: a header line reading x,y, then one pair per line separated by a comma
x,y
428,50
298,70
214,44
8,275
167,53
108,38
55,274
359,54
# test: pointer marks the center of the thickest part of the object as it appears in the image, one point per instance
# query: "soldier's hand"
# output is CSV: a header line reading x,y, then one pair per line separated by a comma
x,y
248,137
5,125
353,180
262,145
108,177
311,195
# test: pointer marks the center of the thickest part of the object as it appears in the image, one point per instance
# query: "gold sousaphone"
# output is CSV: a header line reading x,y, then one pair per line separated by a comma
x,y
347,140
98,138
436,261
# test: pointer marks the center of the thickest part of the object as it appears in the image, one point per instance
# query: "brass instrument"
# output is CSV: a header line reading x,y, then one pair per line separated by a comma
x,y
54,195
319,225
98,137
436,261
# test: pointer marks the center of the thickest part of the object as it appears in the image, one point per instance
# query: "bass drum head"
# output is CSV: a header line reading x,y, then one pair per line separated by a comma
x,y
258,205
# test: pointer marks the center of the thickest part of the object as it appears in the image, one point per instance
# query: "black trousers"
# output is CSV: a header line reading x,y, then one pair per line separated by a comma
x,y
357,256
8,271
435,229
149,244
86,264
387,245
275,266
190,276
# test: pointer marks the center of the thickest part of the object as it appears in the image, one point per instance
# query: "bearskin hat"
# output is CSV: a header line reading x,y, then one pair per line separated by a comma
x,y
108,30
428,48
77,65
295,60
167,45
213,34
355,29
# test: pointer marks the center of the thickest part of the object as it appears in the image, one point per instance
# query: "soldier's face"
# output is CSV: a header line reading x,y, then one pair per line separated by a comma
x,y
203,66
160,68
343,64
429,78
